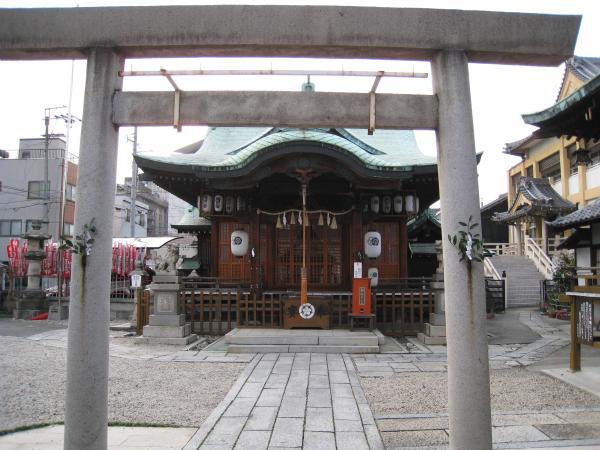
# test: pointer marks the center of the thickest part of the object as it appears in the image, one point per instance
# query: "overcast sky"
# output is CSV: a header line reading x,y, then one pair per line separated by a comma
x,y
500,94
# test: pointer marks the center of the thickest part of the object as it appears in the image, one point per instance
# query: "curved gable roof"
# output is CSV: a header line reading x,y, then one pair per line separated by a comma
x,y
228,148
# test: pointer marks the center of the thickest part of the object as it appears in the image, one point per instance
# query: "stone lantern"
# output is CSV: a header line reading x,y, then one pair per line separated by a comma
x,y
32,301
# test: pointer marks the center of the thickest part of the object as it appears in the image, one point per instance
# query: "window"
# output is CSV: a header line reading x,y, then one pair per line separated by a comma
x,y
141,219
68,229
127,215
529,172
550,167
35,189
10,228
70,192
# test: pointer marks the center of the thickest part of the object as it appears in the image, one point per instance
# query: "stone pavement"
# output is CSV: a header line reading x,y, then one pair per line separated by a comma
x,y
412,356
297,400
143,438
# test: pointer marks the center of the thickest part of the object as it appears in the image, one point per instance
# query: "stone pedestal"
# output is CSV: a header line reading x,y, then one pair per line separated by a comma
x,y
167,324
435,330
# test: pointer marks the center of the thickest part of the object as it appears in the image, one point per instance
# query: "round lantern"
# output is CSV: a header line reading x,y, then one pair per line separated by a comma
x,y
218,203
239,243
373,274
398,204
386,204
375,204
206,203
229,205
372,244
417,204
240,204
410,204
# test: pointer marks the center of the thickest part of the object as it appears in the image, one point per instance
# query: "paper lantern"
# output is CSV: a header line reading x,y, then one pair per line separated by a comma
x,y
218,203
206,203
386,204
239,243
410,204
229,205
417,204
240,204
372,244
375,204
373,274
398,204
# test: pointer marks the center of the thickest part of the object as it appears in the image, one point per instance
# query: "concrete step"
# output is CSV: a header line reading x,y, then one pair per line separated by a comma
x,y
237,348
265,340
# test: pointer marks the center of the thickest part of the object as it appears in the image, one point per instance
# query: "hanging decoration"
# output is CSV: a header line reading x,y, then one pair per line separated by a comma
x,y
333,224
206,203
375,204
218,203
229,204
278,225
239,243
386,205
410,204
372,244
292,219
320,222
398,204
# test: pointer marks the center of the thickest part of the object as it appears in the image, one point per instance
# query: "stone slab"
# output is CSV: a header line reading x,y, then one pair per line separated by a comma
x,y
181,341
437,319
430,340
167,331
570,430
351,440
435,330
287,432
318,441
365,339
319,419
333,349
272,340
262,418
253,439
167,320
518,433
236,348
419,438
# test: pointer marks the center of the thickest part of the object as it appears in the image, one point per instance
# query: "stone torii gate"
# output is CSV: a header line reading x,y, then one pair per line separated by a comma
x,y
448,38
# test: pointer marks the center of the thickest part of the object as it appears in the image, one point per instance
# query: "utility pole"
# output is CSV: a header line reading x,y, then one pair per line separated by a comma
x,y
133,195
46,195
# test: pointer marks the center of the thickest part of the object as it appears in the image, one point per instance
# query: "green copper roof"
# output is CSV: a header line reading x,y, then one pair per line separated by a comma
x,y
227,148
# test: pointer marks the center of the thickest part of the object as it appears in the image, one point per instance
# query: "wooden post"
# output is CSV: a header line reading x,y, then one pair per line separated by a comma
x,y
214,248
403,249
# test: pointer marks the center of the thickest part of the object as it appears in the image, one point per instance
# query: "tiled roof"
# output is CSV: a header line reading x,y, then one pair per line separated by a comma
x,y
542,199
231,148
428,215
191,221
584,216
583,67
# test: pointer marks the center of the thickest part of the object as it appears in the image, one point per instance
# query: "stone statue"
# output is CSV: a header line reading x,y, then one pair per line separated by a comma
x,y
169,262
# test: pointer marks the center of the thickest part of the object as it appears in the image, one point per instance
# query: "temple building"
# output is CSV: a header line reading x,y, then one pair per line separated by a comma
x,y
287,205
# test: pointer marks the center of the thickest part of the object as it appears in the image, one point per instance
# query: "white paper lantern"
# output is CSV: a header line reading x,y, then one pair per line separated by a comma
x,y
398,204
373,274
206,203
372,244
218,203
418,208
229,205
239,243
410,204
386,204
240,204
375,204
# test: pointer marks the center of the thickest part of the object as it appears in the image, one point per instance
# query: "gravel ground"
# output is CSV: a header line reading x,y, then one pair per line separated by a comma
x,y
32,387
511,390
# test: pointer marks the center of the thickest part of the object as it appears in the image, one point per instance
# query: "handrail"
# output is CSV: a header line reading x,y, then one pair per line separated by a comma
x,y
551,243
490,270
501,248
539,258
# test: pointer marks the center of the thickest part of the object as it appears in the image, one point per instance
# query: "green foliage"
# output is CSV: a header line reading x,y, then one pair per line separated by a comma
x,y
468,243
82,244
564,276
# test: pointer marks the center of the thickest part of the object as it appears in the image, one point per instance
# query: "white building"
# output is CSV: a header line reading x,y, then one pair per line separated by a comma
x,y
122,217
22,193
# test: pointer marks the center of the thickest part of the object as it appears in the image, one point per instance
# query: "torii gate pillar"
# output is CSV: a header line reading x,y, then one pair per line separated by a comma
x,y
86,416
468,370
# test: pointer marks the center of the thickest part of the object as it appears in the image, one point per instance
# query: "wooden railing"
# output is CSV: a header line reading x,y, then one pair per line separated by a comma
x,y
260,311
501,248
489,270
551,244
211,310
402,313
539,258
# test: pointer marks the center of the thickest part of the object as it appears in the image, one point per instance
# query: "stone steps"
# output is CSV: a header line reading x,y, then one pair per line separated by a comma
x,y
302,341
523,279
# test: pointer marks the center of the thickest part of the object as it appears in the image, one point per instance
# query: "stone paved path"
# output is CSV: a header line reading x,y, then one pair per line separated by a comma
x,y
301,400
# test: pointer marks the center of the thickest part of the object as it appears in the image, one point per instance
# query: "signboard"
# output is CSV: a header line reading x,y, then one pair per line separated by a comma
x,y
585,321
136,281
357,270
